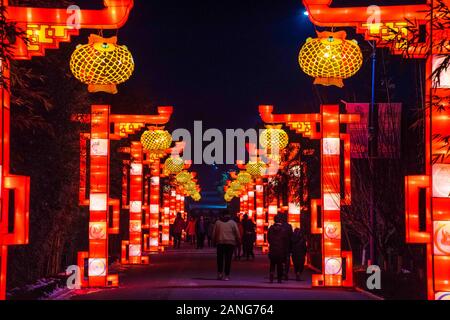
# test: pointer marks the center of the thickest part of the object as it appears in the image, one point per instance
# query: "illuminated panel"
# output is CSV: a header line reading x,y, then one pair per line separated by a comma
x,y
251,201
260,216
166,220
332,263
294,212
154,205
99,192
136,205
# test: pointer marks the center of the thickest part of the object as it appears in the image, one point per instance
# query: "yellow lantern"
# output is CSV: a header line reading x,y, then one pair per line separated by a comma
x,y
156,141
174,165
190,186
102,64
244,178
256,168
330,58
227,197
196,197
236,186
183,177
274,138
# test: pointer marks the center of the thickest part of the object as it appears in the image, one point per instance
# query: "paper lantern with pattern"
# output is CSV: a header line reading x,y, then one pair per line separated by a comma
x,y
183,177
330,58
102,64
156,141
274,138
256,168
174,165
244,178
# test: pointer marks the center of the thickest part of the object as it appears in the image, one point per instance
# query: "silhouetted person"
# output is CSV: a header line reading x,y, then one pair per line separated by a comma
x,y
298,249
238,248
190,230
288,228
200,231
210,232
278,238
226,236
177,229
249,237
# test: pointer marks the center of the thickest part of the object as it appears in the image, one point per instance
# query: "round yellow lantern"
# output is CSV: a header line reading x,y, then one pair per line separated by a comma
x,y
183,177
256,168
227,197
236,186
102,64
156,141
174,165
274,138
196,197
244,178
330,58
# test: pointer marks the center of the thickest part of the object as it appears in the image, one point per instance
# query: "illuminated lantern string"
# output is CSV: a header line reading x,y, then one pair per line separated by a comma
x,y
244,178
274,138
256,168
156,141
102,64
330,58
174,165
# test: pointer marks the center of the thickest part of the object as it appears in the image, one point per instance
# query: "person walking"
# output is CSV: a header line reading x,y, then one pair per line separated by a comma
x,y
226,236
288,227
210,232
238,248
298,250
249,237
190,230
177,229
200,231
278,238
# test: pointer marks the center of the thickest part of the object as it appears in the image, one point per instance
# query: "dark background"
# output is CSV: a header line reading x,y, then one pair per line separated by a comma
x,y
216,61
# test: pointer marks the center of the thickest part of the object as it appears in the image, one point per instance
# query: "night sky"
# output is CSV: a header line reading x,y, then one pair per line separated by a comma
x,y
216,61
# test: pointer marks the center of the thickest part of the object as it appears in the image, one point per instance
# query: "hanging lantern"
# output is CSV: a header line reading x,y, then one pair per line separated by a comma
x,y
102,64
330,58
227,197
236,186
183,177
274,138
244,178
174,165
196,197
256,169
156,141
190,186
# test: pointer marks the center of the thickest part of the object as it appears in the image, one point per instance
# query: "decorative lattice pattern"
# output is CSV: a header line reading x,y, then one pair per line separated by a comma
x,y
102,64
156,140
244,178
256,169
330,59
274,138
173,165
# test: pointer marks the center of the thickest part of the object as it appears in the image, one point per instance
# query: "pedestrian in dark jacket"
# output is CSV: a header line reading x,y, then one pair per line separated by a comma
x,y
298,249
200,231
249,237
288,228
278,238
177,229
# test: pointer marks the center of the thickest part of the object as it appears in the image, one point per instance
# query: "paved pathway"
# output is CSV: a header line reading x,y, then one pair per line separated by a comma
x,y
189,274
